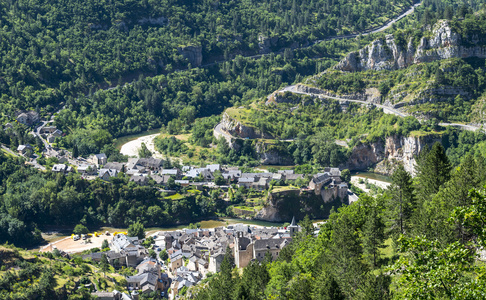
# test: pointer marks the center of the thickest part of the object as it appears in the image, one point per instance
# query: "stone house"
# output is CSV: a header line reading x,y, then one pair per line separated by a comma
x,y
105,174
120,167
23,149
176,173
148,278
246,181
272,246
160,180
243,250
176,262
47,129
329,185
293,177
115,295
28,118
52,137
139,179
62,168
98,159
215,261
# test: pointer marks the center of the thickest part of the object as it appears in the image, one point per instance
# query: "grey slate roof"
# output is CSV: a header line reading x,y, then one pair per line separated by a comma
x,y
270,244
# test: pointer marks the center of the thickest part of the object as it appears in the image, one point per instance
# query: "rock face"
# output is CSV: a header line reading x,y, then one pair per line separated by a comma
x,y
385,155
388,55
192,53
154,21
264,43
269,156
236,129
284,205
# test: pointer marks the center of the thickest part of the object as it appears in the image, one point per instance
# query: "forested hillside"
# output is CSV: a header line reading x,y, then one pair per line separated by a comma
x,y
420,239
54,49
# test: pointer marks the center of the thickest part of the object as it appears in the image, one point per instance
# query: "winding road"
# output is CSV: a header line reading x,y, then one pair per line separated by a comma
x,y
220,132
337,37
386,109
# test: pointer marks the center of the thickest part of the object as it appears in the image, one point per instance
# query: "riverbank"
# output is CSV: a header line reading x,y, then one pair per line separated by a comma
x,y
131,148
360,182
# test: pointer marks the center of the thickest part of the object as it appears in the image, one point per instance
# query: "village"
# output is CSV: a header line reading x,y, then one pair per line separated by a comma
x,y
141,171
192,255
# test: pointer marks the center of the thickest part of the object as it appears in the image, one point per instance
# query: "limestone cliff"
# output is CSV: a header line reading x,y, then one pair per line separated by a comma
x,y
384,155
271,155
387,54
283,206
237,129
192,53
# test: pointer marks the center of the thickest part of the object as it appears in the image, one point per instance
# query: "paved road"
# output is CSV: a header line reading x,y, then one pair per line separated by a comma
x,y
8,150
383,28
352,197
386,109
338,37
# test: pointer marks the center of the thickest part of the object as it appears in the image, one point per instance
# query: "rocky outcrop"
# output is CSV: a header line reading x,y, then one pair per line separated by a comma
x,y
264,43
430,95
237,129
385,155
192,53
161,21
271,156
387,54
284,205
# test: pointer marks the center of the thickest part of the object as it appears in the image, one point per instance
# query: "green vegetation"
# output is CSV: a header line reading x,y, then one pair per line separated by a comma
x,y
136,229
50,276
411,85
32,199
418,240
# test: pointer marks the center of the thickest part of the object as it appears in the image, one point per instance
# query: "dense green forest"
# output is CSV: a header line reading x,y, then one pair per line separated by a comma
x,y
417,240
54,49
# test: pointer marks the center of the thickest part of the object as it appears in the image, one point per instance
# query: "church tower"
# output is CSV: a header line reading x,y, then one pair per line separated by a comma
x,y
293,228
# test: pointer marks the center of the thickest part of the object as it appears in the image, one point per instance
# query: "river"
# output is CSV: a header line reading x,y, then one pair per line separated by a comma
x,y
373,176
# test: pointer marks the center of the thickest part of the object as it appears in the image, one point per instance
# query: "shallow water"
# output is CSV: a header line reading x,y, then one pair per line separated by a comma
x,y
374,176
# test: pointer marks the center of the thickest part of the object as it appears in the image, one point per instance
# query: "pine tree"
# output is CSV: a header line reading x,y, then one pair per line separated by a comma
x,y
104,264
373,235
326,288
346,255
433,170
402,201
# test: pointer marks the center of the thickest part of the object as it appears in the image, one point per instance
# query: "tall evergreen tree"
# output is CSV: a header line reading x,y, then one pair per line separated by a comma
x,y
373,235
402,201
326,288
433,170
346,255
